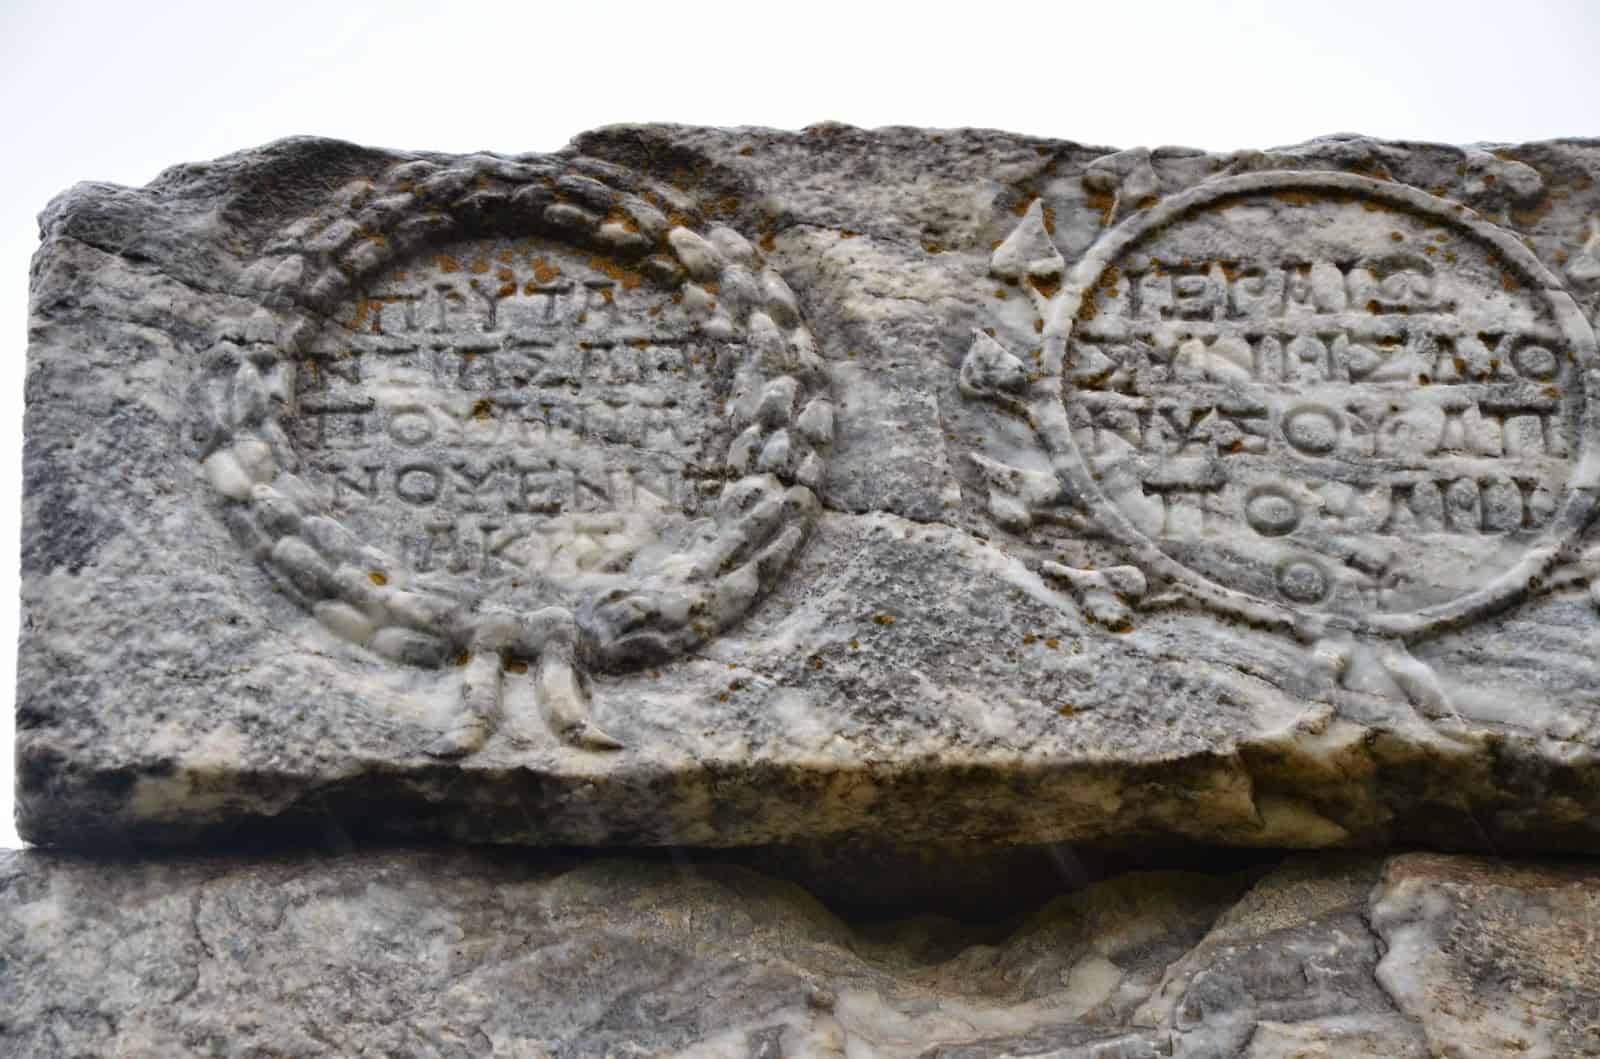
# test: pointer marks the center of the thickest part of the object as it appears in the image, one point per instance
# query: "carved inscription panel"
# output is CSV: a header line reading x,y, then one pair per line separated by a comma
x,y
515,411
1325,399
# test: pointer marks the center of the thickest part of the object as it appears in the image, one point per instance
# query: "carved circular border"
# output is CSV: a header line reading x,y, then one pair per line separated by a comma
x,y
1047,408
779,411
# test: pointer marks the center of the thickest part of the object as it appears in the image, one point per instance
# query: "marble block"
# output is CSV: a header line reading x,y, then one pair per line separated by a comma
x,y
739,487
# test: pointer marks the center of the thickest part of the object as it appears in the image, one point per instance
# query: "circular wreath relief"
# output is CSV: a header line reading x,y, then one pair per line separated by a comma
x,y
1055,394
1338,408
652,603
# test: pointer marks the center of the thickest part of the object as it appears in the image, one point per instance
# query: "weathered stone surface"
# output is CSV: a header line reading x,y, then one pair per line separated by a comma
x,y
740,487
466,954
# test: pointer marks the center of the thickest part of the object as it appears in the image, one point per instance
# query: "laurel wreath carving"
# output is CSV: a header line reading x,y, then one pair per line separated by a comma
x,y
778,408
1111,596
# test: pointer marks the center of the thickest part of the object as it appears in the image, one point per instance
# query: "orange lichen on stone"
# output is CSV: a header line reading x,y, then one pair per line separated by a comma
x,y
617,217
378,577
543,271
364,309
480,266
445,263
1294,198
1107,282
1531,215
1048,285
1049,219
628,278
516,665
1105,202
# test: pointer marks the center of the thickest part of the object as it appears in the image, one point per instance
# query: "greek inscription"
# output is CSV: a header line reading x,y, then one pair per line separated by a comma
x,y
514,408
1309,406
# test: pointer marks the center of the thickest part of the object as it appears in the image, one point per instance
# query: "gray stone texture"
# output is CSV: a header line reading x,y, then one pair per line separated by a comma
x,y
740,487
434,954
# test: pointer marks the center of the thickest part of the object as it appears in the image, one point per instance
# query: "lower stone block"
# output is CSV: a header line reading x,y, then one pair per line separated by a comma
x,y
454,954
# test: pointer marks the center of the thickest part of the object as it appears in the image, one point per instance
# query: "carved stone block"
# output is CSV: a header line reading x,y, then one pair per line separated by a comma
x,y
731,487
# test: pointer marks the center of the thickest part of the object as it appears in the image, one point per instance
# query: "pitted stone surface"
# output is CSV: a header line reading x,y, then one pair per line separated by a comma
x,y
735,487
465,954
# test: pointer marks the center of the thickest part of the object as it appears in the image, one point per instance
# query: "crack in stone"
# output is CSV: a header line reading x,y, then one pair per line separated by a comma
x,y
914,519
852,233
1381,947
149,266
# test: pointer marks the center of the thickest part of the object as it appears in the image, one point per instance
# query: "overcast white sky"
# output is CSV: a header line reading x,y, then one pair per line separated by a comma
x,y
118,91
